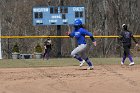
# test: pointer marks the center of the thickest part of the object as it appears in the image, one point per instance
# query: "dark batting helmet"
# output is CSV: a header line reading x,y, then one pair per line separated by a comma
x,y
124,26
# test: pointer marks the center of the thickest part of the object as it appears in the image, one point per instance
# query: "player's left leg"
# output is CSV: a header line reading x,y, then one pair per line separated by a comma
x,y
90,65
45,53
84,56
129,55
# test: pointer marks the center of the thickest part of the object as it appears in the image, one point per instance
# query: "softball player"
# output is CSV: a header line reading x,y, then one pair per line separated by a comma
x,y
48,48
125,37
79,33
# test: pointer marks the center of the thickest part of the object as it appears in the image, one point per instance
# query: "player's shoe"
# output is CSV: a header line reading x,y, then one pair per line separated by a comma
x,y
90,68
122,63
81,63
131,64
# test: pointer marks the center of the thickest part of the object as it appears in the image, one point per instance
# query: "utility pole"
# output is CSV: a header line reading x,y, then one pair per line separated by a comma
x,y
59,34
0,38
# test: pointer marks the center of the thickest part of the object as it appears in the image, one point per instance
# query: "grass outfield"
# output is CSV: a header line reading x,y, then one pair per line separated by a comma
x,y
57,62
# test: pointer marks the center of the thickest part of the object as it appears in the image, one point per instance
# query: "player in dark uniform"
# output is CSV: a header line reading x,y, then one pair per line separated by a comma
x,y
125,37
79,33
48,48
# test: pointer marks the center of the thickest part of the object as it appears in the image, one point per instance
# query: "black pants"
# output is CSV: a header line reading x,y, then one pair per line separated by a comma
x,y
126,49
47,53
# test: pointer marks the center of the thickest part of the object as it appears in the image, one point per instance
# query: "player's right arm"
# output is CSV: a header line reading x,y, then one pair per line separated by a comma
x,y
71,34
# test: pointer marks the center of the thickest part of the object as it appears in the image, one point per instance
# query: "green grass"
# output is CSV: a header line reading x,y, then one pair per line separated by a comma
x,y
57,62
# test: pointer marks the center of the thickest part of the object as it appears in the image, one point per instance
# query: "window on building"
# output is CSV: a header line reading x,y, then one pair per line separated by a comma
x,y
76,14
56,10
38,15
81,14
63,10
63,16
51,10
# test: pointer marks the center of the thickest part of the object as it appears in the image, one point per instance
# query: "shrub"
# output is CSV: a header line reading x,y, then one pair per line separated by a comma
x,y
138,49
38,49
15,48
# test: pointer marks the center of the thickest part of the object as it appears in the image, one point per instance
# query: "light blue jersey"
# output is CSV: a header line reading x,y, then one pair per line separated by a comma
x,y
80,34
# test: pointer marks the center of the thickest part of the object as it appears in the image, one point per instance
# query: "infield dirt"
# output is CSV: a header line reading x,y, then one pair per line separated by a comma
x,y
71,79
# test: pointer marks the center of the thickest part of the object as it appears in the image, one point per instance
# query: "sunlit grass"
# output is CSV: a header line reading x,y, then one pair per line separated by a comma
x,y
57,62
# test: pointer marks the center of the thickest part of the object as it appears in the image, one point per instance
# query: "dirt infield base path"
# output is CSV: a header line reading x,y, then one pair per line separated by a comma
x,y
103,79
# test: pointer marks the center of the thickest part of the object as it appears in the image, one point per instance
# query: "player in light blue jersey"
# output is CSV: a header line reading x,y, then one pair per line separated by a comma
x,y
79,33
